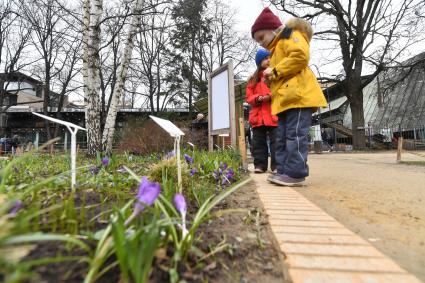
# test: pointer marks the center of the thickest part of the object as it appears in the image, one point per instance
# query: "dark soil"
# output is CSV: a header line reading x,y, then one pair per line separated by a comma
x,y
71,271
238,246
250,252
255,255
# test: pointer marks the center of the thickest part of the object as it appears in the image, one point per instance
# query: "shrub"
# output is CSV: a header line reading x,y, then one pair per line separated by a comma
x,y
143,138
166,170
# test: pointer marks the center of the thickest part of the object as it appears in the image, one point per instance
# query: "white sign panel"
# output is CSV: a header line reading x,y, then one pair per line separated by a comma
x,y
169,127
220,101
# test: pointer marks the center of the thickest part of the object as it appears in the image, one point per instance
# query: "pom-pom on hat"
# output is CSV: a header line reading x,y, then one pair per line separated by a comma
x,y
266,20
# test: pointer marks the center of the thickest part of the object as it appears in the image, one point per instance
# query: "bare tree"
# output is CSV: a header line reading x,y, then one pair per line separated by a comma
x,y
110,54
151,54
49,35
364,35
226,42
66,73
14,40
59,45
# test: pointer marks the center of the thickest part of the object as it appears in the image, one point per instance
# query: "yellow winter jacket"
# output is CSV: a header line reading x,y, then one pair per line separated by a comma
x,y
293,84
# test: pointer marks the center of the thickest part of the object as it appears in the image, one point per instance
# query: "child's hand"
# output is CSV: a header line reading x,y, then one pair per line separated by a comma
x,y
266,98
260,99
268,73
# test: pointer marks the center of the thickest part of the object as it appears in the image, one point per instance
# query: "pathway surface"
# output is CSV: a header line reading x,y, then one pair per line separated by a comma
x,y
372,195
317,247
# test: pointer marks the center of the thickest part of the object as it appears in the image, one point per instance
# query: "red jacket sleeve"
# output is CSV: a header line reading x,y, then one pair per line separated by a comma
x,y
251,97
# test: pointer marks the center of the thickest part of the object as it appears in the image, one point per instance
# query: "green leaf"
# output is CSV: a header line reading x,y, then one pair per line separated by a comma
x,y
120,246
40,237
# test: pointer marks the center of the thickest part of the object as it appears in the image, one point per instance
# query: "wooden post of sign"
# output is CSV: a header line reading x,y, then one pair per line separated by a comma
x,y
399,148
242,144
210,135
233,120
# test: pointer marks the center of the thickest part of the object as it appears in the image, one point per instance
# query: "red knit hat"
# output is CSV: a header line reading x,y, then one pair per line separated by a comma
x,y
266,20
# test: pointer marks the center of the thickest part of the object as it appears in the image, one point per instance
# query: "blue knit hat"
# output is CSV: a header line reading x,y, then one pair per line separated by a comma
x,y
261,55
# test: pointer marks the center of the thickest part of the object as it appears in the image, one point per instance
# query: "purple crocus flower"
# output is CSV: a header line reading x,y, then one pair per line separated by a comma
x,y
216,175
94,170
146,196
180,203
169,155
230,174
105,161
188,158
15,208
193,171
121,169
148,193
223,165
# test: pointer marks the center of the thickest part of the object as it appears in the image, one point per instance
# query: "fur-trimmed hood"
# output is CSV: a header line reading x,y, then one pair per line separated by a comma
x,y
293,84
302,26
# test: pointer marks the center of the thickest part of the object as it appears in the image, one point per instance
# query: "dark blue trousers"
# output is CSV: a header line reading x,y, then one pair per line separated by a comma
x,y
292,142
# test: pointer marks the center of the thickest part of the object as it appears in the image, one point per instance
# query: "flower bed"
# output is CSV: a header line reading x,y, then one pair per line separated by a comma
x,y
126,220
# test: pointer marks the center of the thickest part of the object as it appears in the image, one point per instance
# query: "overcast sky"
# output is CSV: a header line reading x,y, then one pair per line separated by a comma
x,y
247,12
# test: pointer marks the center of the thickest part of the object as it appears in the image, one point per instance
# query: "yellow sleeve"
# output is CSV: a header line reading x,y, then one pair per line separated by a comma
x,y
298,55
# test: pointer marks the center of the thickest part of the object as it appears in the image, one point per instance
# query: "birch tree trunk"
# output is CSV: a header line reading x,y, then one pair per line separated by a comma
x,y
93,10
86,23
109,130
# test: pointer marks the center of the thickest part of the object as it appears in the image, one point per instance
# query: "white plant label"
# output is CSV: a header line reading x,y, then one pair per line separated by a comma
x,y
73,129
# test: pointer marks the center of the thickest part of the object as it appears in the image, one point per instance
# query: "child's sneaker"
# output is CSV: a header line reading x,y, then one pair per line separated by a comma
x,y
285,180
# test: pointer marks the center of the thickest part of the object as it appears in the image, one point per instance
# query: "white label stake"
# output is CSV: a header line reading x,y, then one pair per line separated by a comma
x,y
176,133
73,129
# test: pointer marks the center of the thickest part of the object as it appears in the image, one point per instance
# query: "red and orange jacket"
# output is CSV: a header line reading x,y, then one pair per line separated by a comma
x,y
261,112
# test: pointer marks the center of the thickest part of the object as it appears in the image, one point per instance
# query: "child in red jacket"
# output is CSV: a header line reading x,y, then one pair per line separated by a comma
x,y
262,121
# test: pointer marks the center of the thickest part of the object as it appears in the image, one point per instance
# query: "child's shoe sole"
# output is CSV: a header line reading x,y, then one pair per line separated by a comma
x,y
274,179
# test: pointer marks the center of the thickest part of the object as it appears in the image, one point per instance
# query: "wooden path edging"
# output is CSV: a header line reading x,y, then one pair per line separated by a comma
x,y
317,248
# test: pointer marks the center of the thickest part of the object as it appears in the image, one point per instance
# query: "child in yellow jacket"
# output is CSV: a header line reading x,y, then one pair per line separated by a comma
x,y
296,94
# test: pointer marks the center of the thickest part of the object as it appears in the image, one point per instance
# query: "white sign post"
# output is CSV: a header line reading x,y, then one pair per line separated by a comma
x,y
73,129
176,133
221,104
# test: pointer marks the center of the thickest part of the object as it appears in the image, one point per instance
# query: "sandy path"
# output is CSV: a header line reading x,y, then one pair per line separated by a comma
x,y
382,201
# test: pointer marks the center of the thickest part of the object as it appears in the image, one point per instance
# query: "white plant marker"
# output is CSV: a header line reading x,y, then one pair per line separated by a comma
x,y
191,144
73,129
193,148
37,139
65,143
176,133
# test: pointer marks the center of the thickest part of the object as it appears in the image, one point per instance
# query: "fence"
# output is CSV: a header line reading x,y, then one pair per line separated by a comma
x,y
7,148
415,148
25,141
339,138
